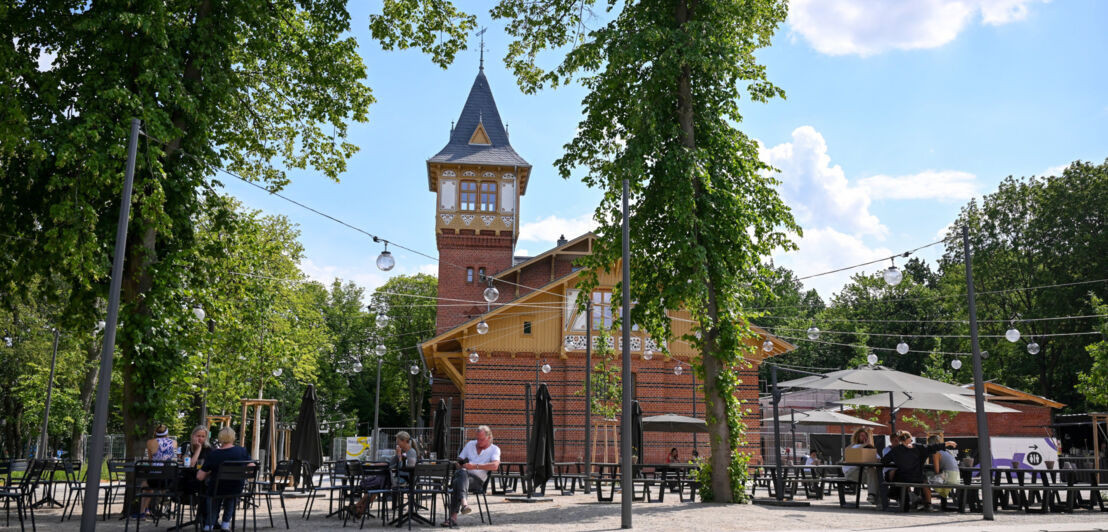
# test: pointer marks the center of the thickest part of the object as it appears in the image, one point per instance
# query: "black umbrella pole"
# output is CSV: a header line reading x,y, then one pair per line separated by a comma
x,y
984,450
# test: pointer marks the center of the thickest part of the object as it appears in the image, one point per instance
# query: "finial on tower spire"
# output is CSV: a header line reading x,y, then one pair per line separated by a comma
x,y
481,34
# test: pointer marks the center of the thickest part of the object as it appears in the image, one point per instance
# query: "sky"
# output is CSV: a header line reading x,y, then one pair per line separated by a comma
x,y
897,114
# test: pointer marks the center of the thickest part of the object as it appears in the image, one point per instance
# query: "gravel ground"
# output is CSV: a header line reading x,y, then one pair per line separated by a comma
x,y
579,513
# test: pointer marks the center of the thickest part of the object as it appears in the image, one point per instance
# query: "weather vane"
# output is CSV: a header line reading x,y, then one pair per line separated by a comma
x,y
481,34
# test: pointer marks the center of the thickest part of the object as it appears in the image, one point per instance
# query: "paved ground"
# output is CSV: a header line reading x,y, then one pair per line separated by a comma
x,y
581,513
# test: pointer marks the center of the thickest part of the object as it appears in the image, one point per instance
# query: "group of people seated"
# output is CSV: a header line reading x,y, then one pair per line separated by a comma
x,y
905,461
475,461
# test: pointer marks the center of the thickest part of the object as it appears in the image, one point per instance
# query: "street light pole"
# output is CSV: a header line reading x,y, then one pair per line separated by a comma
x,y
984,451
100,416
627,487
588,395
44,438
377,409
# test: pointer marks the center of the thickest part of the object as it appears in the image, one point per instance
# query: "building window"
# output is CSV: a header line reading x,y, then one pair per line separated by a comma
x,y
468,196
488,196
527,327
481,274
602,309
469,274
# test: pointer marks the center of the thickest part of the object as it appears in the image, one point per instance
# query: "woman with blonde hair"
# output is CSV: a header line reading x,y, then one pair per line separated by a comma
x,y
862,439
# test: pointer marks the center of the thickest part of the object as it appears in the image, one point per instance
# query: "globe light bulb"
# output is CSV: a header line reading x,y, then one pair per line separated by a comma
x,y
198,311
647,355
813,333
100,325
385,261
382,320
902,348
546,368
677,370
956,364
357,367
491,294
767,346
380,350
1033,348
482,327
414,370
1013,334
872,358
893,276
474,357
277,372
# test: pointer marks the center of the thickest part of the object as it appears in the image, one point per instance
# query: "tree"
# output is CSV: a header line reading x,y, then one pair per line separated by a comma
x,y
1091,383
664,81
407,300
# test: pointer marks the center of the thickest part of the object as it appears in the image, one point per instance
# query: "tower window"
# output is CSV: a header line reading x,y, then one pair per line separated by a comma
x,y
488,196
469,274
481,274
602,309
526,327
469,196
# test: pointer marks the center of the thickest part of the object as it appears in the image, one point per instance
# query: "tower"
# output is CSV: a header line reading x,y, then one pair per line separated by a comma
x,y
478,179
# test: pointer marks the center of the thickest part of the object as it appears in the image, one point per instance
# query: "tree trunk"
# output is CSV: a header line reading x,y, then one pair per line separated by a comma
x,y
88,388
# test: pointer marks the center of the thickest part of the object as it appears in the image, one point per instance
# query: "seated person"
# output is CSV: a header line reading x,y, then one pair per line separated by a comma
x,y
672,457
908,461
405,452
477,458
944,467
226,452
196,452
861,439
160,448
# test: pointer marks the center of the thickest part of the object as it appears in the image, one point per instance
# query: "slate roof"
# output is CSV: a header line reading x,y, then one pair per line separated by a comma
x,y
480,108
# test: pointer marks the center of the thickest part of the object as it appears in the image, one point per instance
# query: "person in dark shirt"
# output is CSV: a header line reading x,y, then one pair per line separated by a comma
x,y
908,460
227,452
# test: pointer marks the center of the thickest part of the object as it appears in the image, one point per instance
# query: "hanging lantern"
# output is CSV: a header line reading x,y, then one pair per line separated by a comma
x,y
482,327
474,357
813,333
277,372
385,261
1033,347
382,321
545,368
648,354
678,370
491,293
1013,334
357,367
893,275
871,358
956,364
767,346
198,311
380,350
902,348
414,370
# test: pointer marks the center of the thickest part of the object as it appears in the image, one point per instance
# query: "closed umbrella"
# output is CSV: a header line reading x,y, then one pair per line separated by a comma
x,y
636,431
673,423
306,447
541,457
926,401
825,417
441,431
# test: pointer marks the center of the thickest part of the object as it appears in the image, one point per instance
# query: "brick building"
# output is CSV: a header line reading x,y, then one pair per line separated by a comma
x,y
479,180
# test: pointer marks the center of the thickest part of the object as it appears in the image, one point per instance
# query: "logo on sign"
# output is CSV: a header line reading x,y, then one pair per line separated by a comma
x,y
1034,458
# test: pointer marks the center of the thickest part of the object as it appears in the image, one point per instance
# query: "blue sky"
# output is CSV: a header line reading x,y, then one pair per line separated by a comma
x,y
897,113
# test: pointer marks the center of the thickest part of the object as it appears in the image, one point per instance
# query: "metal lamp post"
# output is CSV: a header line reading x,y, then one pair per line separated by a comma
x,y
44,438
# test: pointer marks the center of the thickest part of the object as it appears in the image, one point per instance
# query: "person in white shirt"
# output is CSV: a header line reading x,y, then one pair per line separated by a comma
x,y
478,457
861,439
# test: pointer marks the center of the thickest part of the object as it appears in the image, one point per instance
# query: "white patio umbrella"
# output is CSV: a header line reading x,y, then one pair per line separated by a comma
x,y
823,417
926,401
874,379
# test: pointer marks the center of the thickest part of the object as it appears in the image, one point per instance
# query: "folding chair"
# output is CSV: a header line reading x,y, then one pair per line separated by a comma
x,y
160,479
23,491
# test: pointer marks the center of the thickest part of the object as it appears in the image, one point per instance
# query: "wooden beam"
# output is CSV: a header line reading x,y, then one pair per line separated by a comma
x,y
455,376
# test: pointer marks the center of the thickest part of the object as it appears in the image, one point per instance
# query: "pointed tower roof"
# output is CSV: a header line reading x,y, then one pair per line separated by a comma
x,y
479,137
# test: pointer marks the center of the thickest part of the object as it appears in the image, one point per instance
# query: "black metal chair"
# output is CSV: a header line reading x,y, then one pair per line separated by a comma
x,y
482,495
229,483
156,480
23,491
75,484
338,484
381,494
279,480
117,481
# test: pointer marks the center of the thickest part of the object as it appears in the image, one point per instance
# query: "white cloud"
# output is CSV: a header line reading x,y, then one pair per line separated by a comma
x,y
552,227
817,191
868,27
945,185
429,269
1054,170
824,249
521,252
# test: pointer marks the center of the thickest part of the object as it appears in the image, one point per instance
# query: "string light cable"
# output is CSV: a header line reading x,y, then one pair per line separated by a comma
x,y
896,335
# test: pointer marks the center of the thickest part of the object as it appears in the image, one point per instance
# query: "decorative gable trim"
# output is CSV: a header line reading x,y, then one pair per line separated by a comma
x,y
480,136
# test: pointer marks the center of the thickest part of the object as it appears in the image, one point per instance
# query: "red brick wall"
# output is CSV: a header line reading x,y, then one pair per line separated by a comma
x,y
495,390
494,253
